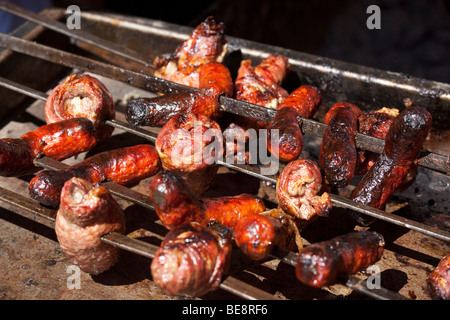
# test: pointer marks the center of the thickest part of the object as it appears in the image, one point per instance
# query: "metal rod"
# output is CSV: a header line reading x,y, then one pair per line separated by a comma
x,y
77,34
249,170
429,160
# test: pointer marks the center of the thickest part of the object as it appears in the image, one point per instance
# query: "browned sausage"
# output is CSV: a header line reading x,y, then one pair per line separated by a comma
x,y
258,234
58,140
298,190
123,166
191,260
82,96
190,145
301,103
321,264
88,212
175,204
438,281
338,154
403,144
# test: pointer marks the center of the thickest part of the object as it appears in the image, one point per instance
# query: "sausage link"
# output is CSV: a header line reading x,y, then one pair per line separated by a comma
x,y
88,212
258,234
123,166
321,264
191,260
175,204
216,78
438,282
190,144
402,146
58,140
298,188
338,154
81,96
301,103
157,111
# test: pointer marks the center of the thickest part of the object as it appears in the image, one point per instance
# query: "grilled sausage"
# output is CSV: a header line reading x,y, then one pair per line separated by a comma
x,y
298,188
175,204
301,103
338,154
81,96
191,260
58,140
88,212
216,79
321,264
206,44
258,234
190,145
403,144
261,84
438,282
375,124
123,166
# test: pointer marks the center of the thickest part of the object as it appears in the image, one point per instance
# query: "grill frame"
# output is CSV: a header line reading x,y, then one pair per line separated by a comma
x,y
259,51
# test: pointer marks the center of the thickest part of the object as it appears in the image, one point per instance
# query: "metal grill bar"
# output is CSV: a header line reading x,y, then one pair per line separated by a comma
x,y
337,200
429,160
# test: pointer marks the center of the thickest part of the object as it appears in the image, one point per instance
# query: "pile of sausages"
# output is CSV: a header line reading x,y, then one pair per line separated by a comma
x,y
193,258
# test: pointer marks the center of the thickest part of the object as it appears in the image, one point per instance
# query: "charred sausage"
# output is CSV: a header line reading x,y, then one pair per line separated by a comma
x,y
403,144
58,140
301,103
298,190
322,263
258,234
191,260
88,212
123,166
175,204
81,96
338,154
190,145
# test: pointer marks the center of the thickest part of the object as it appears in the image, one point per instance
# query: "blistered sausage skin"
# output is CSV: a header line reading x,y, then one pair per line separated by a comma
x,y
338,153
438,282
403,144
81,96
206,44
375,124
258,234
175,204
261,84
191,260
88,212
190,144
321,264
301,103
298,190
122,166
58,140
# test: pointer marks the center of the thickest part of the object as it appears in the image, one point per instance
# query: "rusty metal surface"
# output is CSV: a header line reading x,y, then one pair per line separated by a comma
x,y
35,268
